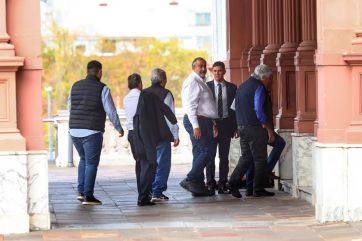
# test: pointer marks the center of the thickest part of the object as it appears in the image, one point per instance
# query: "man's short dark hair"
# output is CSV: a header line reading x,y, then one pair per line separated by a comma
x,y
134,80
197,59
93,67
219,64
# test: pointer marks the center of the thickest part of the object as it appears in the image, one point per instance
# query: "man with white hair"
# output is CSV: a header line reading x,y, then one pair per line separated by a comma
x,y
252,110
159,185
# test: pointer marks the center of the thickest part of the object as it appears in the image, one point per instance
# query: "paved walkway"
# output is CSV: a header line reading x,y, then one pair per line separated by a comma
x,y
184,217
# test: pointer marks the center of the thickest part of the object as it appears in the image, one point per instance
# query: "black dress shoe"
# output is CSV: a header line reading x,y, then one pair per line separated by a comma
x,y
145,202
249,192
263,193
235,193
91,200
185,184
205,193
212,187
224,190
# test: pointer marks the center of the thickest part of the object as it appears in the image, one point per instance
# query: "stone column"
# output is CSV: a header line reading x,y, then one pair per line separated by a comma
x,y
14,217
286,68
259,33
337,163
10,138
234,40
305,71
303,137
247,37
275,40
23,26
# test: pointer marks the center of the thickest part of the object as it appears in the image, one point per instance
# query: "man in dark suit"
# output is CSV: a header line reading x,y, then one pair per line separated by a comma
x,y
224,93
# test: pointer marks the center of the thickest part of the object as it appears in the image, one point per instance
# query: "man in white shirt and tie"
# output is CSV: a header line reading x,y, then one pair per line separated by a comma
x,y
200,111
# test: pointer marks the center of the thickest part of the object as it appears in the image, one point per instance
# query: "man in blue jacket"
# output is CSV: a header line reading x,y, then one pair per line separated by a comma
x,y
252,109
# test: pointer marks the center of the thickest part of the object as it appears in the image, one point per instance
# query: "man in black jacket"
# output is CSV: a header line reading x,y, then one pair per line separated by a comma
x,y
159,80
150,128
224,94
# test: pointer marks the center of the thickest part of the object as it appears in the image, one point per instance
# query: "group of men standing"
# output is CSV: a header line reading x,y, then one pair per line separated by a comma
x,y
215,112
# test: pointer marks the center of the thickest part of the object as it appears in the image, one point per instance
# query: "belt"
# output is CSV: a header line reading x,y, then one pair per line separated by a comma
x,y
203,117
244,126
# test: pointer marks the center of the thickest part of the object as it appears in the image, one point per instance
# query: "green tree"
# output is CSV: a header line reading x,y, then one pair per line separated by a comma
x,y
64,64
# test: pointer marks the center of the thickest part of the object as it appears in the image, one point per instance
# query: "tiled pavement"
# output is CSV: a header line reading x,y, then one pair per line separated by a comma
x,y
182,218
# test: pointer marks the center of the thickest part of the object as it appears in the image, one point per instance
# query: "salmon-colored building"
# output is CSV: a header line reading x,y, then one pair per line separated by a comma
x,y
315,50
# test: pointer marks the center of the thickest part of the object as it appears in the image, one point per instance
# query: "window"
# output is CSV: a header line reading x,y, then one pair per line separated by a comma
x,y
202,19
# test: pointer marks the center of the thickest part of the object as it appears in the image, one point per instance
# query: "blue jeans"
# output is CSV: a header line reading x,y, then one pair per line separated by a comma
x,y
163,168
201,148
89,149
278,147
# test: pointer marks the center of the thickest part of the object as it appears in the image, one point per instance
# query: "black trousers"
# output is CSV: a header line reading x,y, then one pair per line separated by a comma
x,y
145,173
253,144
223,142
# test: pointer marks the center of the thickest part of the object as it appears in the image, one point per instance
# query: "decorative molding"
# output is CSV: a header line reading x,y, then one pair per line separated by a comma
x,y
358,39
352,59
10,64
4,106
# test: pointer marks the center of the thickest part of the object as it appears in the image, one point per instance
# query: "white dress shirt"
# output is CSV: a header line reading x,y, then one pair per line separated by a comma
x,y
173,128
130,103
224,97
197,99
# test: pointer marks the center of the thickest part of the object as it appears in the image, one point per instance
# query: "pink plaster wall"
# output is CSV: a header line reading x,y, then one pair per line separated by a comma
x,y
337,22
23,26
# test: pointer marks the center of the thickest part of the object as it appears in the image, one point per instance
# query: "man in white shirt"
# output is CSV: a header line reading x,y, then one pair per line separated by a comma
x,y
200,112
145,170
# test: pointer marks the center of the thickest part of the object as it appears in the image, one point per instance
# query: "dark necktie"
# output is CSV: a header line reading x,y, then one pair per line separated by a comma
x,y
219,101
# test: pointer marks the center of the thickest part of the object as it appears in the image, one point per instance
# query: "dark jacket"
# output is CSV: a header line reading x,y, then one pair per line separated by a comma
x,y
87,110
244,103
159,91
230,95
150,127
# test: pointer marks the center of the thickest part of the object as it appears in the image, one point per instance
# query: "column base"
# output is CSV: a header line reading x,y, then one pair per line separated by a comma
x,y
284,121
337,179
12,223
24,201
302,125
39,222
302,145
14,216
12,142
285,162
38,195
234,154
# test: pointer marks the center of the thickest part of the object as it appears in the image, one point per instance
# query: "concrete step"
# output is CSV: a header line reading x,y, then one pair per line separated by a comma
x,y
302,192
306,193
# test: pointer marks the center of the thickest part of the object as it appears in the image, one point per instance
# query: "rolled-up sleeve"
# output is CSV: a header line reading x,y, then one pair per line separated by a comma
x,y
192,102
259,99
110,109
